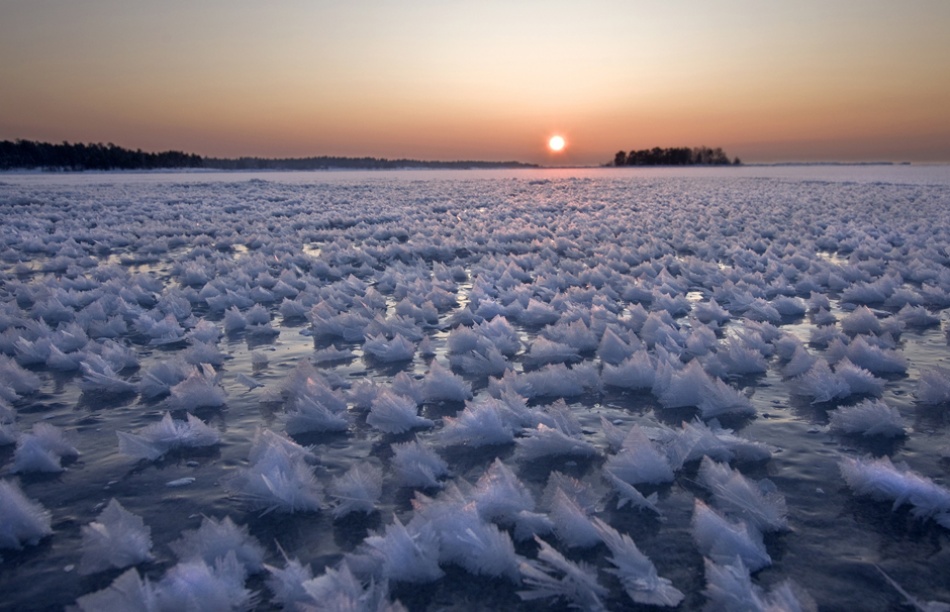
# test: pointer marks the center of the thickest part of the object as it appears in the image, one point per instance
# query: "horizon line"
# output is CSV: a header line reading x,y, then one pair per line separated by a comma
x,y
606,164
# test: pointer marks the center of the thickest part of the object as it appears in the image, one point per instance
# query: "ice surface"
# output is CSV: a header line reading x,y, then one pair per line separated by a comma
x,y
418,465
100,377
729,587
279,476
500,495
628,494
442,385
637,371
481,423
925,606
544,441
759,504
635,570
692,386
339,589
861,321
572,521
723,541
8,433
357,490
158,379
196,585
22,520
307,413
868,418
638,461
696,440
43,449
287,583
544,351
116,539
934,386
644,300
407,556
127,593
214,540
465,538
155,440
552,575
199,389
390,350
881,479
394,413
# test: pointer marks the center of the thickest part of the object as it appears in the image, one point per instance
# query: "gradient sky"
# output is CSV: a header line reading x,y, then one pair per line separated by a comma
x,y
446,79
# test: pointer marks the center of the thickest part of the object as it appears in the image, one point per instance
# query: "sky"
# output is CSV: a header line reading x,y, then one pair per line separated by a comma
x,y
768,81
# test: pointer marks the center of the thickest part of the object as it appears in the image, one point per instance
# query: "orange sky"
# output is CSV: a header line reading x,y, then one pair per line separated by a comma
x,y
493,80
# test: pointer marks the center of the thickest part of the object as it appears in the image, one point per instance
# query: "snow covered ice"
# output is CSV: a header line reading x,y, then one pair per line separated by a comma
x,y
593,389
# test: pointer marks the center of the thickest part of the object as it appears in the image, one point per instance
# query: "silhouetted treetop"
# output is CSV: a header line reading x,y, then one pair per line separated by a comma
x,y
66,156
674,156
26,154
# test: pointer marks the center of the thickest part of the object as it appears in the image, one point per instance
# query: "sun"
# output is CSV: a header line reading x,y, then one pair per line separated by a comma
x,y
556,143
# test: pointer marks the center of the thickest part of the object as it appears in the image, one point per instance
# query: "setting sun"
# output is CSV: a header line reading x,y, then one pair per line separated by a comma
x,y
556,143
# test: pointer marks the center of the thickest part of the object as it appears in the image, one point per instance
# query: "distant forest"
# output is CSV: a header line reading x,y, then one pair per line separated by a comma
x,y
26,154
675,156
66,156
355,163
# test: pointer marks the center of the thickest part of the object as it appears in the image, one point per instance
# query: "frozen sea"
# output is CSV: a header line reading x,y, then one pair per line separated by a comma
x,y
355,365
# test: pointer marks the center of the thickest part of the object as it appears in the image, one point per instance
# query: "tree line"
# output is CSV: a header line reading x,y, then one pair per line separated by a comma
x,y
79,156
674,156
27,154
351,163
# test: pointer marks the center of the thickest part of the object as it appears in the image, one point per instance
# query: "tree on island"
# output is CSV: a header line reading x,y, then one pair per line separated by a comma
x,y
674,156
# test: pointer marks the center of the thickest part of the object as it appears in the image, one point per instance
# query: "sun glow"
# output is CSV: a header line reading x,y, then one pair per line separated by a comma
x,y
556,143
